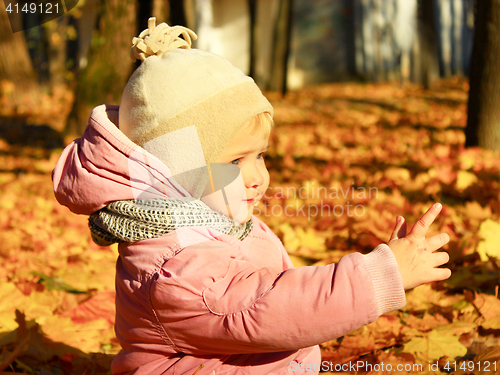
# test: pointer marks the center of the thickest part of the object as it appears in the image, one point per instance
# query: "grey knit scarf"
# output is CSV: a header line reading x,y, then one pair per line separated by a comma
x,y
140,219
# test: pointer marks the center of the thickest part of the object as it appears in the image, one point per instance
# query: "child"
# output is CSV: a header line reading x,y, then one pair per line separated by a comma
x,y
202,286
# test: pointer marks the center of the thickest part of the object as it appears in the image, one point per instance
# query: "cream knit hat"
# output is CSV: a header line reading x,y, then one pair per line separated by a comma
x,y
185,105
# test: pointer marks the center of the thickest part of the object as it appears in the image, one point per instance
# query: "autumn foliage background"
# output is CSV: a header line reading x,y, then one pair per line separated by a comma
x,y
57,287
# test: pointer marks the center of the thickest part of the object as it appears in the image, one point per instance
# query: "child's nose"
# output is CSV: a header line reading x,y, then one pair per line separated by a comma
x,y
252,177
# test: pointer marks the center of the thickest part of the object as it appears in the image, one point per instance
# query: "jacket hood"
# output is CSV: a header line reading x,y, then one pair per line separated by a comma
x,y
105,166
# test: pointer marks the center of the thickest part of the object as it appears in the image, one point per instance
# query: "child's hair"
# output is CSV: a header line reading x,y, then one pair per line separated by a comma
x,y
262,122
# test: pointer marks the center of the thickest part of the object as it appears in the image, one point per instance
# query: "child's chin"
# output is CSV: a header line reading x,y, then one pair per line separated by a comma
x,y
243,215
245,220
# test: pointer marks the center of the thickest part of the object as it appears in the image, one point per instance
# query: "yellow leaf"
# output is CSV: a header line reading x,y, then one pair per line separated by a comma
x,y
436,345
467,160
489,231
398,175
425,323
290,240
302,242
87,337
423,298
417,183
10,299
488,305
465,179
473,210
42,304
298,261
311,240
492,323
456,328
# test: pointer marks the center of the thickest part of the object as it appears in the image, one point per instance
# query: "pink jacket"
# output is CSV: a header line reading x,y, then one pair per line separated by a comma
x,y
235,307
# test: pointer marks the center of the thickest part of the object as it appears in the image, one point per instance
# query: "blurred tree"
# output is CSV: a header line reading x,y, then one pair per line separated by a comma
x,y
262,15
57,33
281,51
161,10
144,11
483,116
425,64
18,82
109,65
85,25
403,29
252,8
178,12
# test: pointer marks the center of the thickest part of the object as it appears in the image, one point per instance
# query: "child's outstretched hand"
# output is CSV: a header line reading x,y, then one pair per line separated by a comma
x,y
416,256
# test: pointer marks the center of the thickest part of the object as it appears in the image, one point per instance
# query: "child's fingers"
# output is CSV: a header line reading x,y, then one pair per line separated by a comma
x,y
400,229
440,258
441,274
439,240
420,229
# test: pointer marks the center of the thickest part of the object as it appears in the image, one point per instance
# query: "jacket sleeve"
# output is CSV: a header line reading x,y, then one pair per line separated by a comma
x,y
228,306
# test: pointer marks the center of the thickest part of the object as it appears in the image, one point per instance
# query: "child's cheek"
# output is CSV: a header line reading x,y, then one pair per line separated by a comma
x,y
229,198
236,195
267,178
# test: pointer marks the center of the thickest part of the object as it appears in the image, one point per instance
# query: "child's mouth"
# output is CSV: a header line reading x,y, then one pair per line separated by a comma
x,y
252,201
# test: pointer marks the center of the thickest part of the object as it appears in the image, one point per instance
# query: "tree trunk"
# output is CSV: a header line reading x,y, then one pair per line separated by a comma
x,y
109,64
252,11
144,11
190,12
445,35
18,83
458,25
483,122
161,11
86,24
263,39
57,50
281,52
404,28
177,13
425,51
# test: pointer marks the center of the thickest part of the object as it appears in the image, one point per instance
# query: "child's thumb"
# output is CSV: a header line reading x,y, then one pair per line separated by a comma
x,y
400,229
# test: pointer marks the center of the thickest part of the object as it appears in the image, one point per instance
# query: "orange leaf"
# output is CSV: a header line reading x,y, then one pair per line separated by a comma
x,y
102,305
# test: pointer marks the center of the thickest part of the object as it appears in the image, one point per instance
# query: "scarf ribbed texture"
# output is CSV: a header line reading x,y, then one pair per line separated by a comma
x,y
141,219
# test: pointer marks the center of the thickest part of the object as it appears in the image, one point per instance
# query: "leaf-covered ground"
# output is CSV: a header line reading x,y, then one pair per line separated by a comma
x,y
345,160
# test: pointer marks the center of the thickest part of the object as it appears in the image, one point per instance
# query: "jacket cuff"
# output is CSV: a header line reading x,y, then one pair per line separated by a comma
x,y
387,281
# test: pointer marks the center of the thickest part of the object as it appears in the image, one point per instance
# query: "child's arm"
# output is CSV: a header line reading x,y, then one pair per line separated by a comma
x,y
214,302
255,310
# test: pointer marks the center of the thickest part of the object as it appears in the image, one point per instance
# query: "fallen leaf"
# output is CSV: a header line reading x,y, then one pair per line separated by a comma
x,y
465,179
436,345
489,231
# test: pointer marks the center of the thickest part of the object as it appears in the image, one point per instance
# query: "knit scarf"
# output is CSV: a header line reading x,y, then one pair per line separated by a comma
x,y
141,219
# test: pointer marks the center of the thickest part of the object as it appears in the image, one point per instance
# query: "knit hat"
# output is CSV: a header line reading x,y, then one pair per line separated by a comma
x,y
184,105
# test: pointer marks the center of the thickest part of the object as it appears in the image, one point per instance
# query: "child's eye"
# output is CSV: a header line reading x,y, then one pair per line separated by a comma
x,y
237,161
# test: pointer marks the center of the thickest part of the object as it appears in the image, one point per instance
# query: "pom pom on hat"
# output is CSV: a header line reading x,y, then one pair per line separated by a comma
x,y
184,105
156,40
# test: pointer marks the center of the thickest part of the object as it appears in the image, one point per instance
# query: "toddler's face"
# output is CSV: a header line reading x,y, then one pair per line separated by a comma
x,y
245,151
